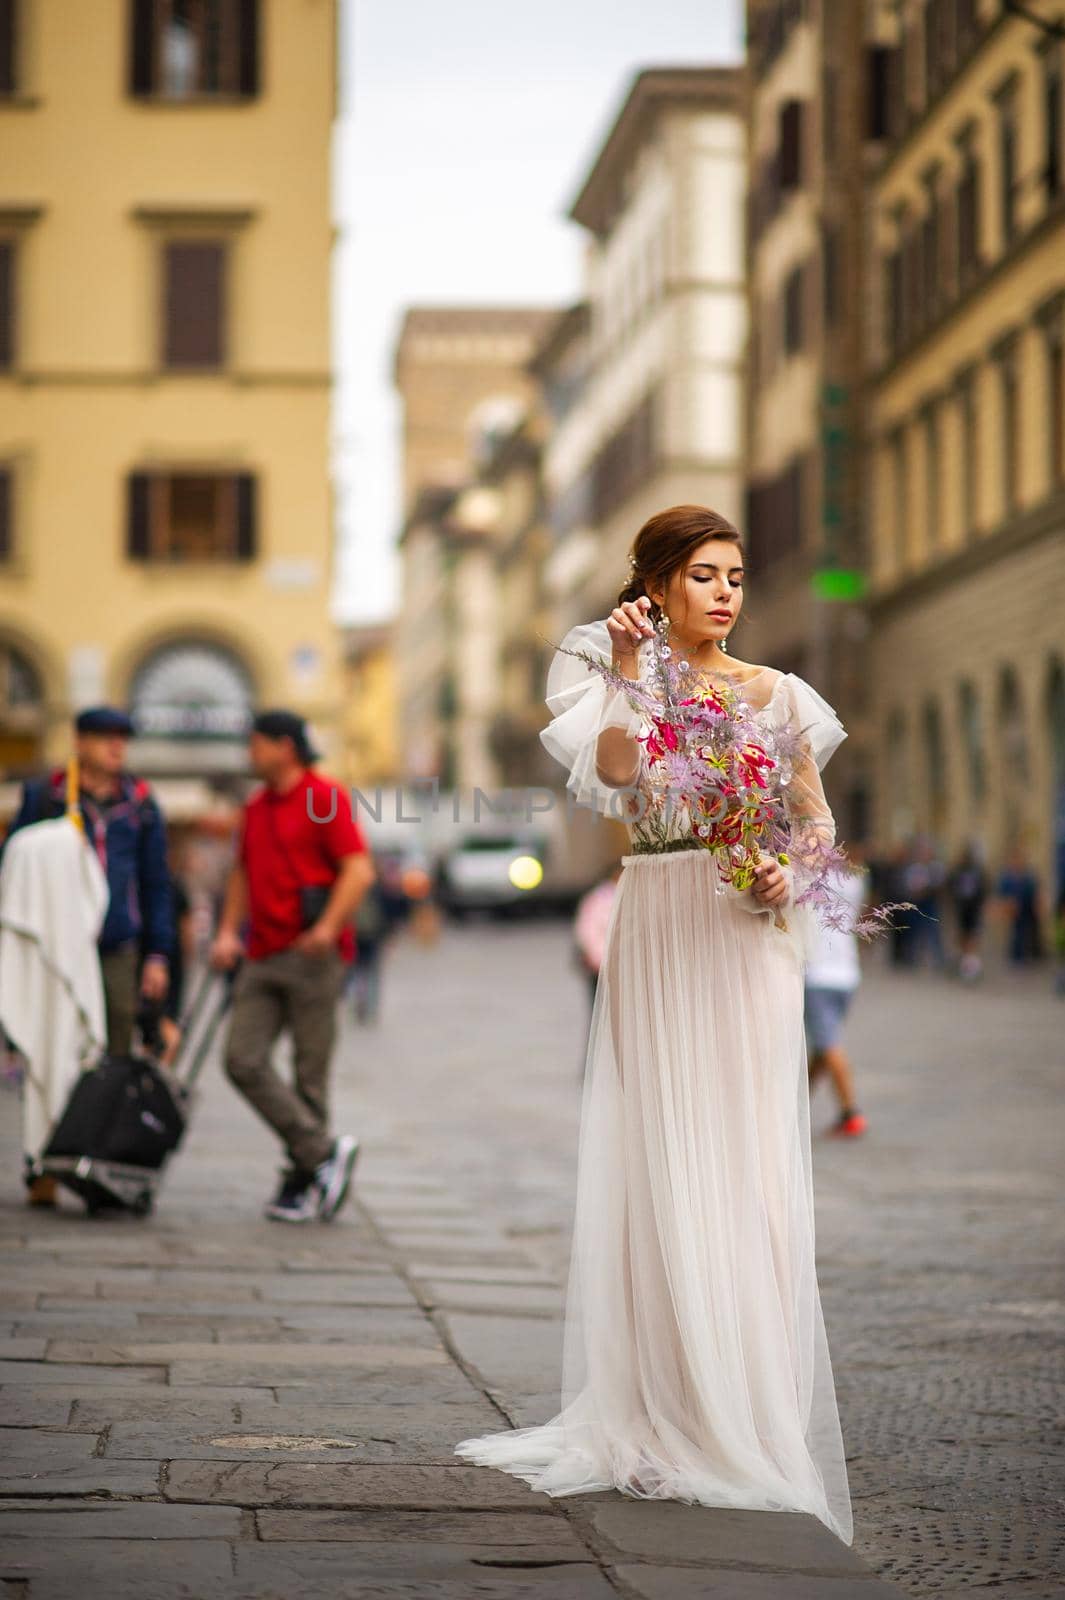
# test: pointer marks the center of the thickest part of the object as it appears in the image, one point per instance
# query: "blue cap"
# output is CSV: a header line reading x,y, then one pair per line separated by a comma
x,y
103,719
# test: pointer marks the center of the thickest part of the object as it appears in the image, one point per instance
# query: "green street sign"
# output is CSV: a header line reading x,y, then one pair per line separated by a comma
x,y
838,583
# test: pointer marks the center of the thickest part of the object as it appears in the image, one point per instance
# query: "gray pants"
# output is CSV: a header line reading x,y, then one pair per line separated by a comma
x,y
118,968
298,992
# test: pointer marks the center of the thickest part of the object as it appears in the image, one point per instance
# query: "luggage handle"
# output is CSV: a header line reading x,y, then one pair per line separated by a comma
x,y
222,985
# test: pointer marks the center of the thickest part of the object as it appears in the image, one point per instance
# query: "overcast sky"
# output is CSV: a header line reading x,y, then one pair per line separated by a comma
x,y
465,131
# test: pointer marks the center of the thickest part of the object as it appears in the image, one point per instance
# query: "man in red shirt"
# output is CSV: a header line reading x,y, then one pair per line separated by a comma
x,y
302,867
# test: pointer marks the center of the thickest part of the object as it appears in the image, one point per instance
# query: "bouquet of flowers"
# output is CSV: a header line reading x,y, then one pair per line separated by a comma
x,y
719,779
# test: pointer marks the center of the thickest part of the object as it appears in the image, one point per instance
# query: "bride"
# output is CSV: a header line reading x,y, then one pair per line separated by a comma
x,y
696,1364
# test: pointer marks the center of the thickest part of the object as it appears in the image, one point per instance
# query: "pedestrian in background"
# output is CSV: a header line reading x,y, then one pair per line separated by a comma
x,y
302,866
372,928
590,927
924,881
832,976
125,826
967,887
1018,892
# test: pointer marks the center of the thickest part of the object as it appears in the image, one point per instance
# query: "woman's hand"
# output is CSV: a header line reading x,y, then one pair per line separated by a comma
x,y
771,885
628,626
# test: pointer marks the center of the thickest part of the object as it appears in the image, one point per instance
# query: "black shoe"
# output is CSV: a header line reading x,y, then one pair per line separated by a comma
x,y
295,1201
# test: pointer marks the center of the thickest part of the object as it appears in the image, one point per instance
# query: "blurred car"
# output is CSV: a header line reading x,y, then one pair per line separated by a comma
x,y
501,874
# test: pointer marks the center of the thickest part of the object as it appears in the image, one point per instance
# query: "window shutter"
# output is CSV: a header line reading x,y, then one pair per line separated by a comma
x,y
138,516
5,514
247,531
791,121
7,304
249,47
8,47
194,301
141,47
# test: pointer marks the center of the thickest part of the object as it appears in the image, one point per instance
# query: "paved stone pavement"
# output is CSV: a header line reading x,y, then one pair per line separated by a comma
x,y
207,1404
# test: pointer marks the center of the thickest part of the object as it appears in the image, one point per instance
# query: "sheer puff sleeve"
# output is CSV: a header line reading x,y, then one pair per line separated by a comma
x,y
820,732
581,706
806,713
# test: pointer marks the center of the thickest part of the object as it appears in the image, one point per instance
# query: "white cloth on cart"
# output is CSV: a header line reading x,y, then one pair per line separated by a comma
x,y
53,899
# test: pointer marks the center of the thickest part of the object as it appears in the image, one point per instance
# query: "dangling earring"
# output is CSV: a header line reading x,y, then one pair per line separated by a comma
x,y
724,645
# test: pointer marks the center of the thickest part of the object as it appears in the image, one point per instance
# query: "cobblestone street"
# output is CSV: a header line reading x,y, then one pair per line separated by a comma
x,y
207,1404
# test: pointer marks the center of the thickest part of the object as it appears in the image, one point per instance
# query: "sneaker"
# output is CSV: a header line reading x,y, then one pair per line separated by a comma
x,y
295,1201
333,1178
849,1125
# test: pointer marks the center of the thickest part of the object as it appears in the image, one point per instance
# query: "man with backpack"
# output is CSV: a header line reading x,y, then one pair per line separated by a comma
x,y
125,826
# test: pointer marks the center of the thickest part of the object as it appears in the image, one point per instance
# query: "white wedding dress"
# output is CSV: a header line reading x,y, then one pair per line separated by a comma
x,y
696,1364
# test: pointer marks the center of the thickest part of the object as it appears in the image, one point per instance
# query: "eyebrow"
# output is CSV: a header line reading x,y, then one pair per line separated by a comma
x,y
712,566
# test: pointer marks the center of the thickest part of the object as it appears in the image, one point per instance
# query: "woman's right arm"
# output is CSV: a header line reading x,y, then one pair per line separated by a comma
x,y
617,753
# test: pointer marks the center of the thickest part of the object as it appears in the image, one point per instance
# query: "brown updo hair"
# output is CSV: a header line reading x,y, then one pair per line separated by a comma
x,y
665,542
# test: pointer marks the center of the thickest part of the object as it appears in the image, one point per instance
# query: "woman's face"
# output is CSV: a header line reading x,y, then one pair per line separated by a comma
x,y
704,597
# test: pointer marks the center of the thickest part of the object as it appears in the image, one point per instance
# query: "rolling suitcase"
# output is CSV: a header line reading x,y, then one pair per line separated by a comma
x,y
127,1114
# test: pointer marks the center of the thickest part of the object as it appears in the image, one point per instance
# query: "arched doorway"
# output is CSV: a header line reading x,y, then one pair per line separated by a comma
x,y
191,702
22,713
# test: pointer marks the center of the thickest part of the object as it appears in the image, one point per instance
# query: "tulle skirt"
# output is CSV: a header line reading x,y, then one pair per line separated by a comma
x,y
696,1364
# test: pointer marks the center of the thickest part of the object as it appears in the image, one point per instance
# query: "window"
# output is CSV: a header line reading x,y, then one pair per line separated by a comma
x,y
884,92
972,740
893,301
1051,320
930,247
935,762
829,117
7,304
1007,162
930,429
968,211
1053,131
966,24
775,512
191,49
831,276
8,47
965,388
194,303
913,280
934,55
1006,360
793,311
626,459
191,516
791,145
900,490
7,532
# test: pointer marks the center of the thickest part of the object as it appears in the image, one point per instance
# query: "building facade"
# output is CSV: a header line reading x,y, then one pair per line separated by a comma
x,y
166,524
643,376
462,377
806,110
370,723
966,401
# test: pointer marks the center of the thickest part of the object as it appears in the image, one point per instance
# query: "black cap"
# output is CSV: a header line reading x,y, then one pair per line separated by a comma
x,y
279,724
103,719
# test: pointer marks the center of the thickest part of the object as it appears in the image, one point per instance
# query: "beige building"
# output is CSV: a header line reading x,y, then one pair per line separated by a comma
x,y
166,522
643,377
967,430
462,378
371,748
806,111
